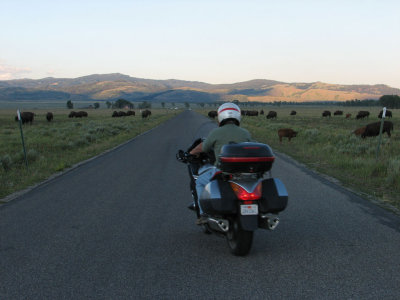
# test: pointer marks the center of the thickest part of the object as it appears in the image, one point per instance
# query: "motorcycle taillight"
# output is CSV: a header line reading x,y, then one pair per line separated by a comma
x,y
244,195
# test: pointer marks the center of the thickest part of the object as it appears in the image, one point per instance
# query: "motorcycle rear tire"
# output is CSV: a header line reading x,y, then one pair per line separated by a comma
x,y
239,240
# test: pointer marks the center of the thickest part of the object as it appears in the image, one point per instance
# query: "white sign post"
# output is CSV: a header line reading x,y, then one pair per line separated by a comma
x,y
380,132
22,136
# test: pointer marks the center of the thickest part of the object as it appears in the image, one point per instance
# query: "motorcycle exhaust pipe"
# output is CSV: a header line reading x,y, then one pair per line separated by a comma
x,y
221,225
271,221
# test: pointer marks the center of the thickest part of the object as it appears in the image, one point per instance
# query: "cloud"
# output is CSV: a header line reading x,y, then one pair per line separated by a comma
x,y
8,72
51,73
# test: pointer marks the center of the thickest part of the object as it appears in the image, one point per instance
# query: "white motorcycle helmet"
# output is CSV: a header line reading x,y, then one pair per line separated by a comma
x,y
228,111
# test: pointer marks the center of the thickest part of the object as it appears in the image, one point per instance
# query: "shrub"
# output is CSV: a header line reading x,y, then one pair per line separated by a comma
x,y
6,162
32,155
45,132
393,171
61,166
81,142
311,135
90,138
8,131
361,149
19,157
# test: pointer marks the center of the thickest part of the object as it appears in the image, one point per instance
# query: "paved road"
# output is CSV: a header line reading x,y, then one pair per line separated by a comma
x,y
117,227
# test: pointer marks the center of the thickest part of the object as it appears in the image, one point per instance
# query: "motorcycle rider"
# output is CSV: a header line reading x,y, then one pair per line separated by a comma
x,y
229,131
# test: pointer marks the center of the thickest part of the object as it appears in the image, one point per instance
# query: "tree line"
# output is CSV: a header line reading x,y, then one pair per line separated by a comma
x,y
389,101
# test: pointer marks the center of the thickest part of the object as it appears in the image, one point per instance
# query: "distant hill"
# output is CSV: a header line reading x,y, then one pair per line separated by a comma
x,y
114,86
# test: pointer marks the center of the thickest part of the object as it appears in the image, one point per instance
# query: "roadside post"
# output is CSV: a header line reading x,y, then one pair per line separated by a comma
x,y
22,136
380,132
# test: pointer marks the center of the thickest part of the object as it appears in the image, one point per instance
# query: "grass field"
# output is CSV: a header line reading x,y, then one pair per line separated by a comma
x,y
54,146
328,146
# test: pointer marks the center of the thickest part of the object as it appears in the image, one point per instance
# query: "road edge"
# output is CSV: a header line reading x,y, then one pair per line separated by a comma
x,y
334,182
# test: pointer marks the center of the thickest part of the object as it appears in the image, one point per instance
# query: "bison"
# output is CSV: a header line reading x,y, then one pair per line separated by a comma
x,y
348,116
81,114
262,112
293,113
212,114
372,129
146,113
49,116
26,117
252,113
326,113
78,114
362,114
272,114
130,113
359,131
286,132
387,115
338,113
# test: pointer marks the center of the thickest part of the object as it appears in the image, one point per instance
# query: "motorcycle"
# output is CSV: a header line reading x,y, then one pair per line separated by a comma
x,y
242,196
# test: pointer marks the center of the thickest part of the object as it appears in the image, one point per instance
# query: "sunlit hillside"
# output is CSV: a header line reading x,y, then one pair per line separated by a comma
x,y
115,86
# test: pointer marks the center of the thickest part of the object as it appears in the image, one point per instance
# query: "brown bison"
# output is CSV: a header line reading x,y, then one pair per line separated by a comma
x,y
272,115
26,117
49,116
338,113
262,112
286,132
293,113
359,131
130,113
212,114
348,116
362,114
372,129
326,113
387,115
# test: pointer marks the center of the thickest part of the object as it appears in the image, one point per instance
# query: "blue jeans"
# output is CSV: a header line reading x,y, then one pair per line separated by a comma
x,y
206,172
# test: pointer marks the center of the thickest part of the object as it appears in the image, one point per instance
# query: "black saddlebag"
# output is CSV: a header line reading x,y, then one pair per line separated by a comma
x,y
274,196
246,158
212,201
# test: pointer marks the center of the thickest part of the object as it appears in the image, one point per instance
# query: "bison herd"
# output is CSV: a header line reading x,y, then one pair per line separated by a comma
x,y
369,130
28,117
77,114
117,114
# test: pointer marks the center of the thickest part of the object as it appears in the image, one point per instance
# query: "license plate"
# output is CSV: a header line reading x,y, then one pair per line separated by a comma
x,y
249,209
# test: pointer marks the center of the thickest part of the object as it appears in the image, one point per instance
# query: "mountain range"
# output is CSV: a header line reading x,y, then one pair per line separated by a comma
x,y
116,86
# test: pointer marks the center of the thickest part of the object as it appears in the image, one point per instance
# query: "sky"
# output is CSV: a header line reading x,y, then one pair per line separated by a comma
x,y
213,41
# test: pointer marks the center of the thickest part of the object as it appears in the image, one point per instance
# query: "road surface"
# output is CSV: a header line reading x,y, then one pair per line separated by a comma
x,y
117,227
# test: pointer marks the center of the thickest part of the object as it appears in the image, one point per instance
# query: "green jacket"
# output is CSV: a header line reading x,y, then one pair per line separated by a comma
x,y
224,135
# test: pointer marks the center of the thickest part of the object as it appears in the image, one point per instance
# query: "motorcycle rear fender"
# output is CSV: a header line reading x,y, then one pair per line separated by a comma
x,y
249,223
